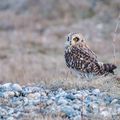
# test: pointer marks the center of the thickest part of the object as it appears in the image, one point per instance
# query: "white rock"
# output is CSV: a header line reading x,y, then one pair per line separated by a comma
x,y
36,102
62,101
8,94
43,94
16,87
76,107
25,101
94,108
49,102
105,114
78,96
16,114
114,101
68,110
53,98
17,93
3,112
33,96
118,110
27,90
37,95
6,86
96,92
11,111
61,94
78,117
10,118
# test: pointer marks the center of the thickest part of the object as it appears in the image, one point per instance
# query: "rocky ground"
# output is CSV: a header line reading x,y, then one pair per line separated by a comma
x,y
17,102
32,36
34,80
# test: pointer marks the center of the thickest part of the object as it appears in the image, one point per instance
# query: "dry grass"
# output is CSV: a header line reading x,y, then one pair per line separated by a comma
x,y
95,117
39,117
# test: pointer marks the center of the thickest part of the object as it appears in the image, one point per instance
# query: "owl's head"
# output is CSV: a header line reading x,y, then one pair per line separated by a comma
x,y
74,39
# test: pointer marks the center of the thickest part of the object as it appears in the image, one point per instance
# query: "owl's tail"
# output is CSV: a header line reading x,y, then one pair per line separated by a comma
x,y
109,68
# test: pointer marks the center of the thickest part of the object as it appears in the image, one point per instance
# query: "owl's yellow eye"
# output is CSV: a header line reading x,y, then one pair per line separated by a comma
x,y
76,39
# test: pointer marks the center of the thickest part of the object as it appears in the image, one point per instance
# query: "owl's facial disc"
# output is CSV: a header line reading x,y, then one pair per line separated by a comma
x,y
73,39
77,39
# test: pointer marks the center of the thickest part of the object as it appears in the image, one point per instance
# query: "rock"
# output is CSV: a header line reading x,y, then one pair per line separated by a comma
x,y
70,96
3,112
53,98
36,102
42,93
10,111
16,87
10,118
68,110
61,93
6,87
88,99
114,101
107,99
17,114
49,102
93,108
1,94
25,101
62,101
55,109
70,103
27,90
118,110
8,94
78,96
105,114
78,117
34,95
96,92
76,106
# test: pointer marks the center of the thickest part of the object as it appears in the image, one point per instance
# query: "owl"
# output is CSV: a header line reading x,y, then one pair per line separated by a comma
x,y
82,60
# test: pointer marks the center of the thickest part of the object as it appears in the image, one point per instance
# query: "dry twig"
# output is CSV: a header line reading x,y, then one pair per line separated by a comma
x,y
114,39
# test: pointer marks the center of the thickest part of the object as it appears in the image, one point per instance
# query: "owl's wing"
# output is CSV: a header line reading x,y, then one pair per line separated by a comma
x,y
85,53
91,53
84,60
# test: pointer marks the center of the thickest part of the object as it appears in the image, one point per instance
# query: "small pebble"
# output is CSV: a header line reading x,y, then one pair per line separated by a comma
x,y
105,113
96,92
78,117
68,110
62,101
16,87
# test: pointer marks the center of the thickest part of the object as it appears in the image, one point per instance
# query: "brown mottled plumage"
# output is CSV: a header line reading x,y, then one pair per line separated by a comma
x,y
80,58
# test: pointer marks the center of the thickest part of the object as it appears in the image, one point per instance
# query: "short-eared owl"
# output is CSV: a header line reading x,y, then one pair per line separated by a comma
x,y
80,58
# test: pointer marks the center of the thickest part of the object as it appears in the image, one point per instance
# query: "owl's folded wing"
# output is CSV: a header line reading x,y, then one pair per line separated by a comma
x,y
85,53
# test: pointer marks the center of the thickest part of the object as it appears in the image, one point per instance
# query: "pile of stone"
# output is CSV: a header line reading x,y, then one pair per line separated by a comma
x,y
74,104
